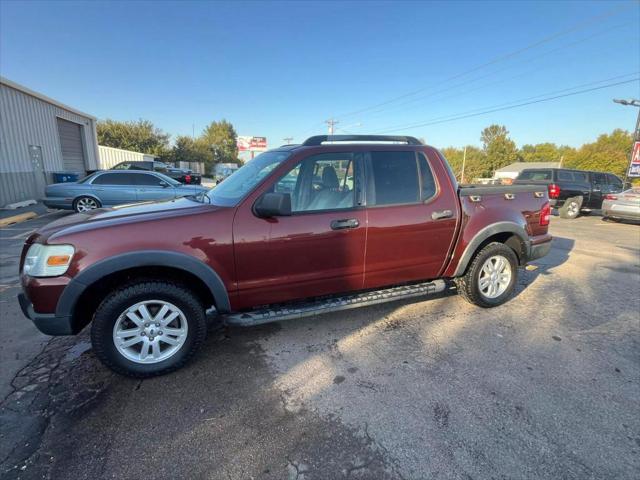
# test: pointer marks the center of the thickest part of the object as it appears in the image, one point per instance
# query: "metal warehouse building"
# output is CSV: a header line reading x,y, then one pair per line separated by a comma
x,y
39,136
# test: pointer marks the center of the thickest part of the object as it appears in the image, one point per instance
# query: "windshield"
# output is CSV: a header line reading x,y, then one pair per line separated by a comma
x,y
239,184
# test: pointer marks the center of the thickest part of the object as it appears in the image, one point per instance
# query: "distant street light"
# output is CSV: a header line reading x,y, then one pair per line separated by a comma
x,y
632,102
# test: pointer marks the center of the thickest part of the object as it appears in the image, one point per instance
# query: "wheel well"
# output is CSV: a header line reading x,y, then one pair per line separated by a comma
x,y
511,240
91,298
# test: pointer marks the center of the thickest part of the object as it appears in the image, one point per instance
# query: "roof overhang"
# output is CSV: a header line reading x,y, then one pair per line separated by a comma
x,y
44,98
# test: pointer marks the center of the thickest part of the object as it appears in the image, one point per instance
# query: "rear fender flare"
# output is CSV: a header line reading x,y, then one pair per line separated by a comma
x,y
484,234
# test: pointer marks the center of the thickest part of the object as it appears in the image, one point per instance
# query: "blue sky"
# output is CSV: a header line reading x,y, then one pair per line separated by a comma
x,y
279,69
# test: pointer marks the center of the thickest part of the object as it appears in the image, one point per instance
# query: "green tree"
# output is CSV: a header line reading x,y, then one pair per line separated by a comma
x,y
221,139
186,149
500,150
543,152
474,165
141,136
609,153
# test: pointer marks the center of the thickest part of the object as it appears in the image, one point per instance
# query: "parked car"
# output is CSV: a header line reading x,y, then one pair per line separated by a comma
x,y
572,191
179,174
622,206
115,187
365,223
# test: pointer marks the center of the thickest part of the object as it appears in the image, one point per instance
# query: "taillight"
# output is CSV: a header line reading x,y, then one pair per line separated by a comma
x,y
610,197
554,191
545,215
187,178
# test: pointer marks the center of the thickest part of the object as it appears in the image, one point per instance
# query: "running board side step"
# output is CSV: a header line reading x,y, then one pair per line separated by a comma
x,y
332,304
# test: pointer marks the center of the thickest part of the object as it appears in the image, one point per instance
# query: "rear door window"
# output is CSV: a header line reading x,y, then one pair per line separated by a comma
x,y
394,177
599,180
115,179
536,175
580,177
145,179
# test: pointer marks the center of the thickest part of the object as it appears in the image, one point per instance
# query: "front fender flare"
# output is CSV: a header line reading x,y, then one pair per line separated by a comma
x,y
484,234
145,258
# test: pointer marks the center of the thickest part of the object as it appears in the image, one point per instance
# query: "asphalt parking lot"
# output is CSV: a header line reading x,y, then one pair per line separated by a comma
x,y
545,386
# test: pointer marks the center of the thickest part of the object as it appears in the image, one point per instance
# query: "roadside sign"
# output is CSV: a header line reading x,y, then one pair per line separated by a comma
x,y
634,167
252,144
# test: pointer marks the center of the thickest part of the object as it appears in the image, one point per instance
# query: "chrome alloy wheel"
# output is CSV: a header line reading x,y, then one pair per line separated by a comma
x,y
150,331
495,276
85,204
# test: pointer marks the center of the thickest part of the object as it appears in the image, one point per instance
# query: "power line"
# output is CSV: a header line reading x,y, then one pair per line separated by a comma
x,y
460,117
400,105
578,26
554,92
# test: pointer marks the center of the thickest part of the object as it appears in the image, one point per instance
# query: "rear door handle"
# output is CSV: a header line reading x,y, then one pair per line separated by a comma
x,y
441,215
344,223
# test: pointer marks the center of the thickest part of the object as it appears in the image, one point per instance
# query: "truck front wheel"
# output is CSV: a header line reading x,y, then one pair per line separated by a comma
x,y
148,328
491,278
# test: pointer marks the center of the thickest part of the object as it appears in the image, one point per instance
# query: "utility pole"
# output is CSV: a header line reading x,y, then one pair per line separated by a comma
x,y
332,123
288,140
464,161
633,102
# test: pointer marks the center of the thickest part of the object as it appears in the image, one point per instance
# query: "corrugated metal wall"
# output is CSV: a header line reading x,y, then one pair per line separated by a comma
x,y
26,120
110,156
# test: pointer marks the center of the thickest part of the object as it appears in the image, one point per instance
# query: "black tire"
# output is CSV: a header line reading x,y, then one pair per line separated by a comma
x,y
118,301
571,208
468,284
78,202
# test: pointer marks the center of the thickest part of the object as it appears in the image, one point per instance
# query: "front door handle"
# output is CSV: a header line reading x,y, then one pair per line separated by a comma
x,y
344,223
441,215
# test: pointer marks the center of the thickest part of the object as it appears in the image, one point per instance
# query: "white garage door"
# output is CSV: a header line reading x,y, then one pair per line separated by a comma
x,y
71,144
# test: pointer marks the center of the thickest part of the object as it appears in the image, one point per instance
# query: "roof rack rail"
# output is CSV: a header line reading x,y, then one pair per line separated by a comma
x,y
320,139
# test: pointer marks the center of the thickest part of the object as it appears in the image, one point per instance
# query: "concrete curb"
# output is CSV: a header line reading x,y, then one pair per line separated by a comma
x,y
4,222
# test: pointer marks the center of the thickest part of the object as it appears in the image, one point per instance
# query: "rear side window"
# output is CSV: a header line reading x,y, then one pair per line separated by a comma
x,y
536,175
395,178
427,181
115,179
599,179
564,175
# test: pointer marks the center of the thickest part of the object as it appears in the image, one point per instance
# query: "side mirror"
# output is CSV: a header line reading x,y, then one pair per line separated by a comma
x,y
273,205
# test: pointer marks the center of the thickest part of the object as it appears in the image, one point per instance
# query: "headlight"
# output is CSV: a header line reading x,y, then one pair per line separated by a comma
x,y
48,260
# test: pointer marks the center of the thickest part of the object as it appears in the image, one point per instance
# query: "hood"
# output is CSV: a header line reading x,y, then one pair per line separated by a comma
x,y
106,217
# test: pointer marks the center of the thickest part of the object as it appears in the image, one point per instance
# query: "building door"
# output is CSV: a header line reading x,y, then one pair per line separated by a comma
x,y
39,177
71,145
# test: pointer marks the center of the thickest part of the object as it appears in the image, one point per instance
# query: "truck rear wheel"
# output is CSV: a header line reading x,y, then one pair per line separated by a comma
x,y
491,278
148,328
571,208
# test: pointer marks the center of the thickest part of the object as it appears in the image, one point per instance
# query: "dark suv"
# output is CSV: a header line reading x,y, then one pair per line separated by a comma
x,y
572,191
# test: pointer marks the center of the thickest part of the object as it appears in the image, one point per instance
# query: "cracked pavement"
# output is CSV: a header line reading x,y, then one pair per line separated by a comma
x,y
546,386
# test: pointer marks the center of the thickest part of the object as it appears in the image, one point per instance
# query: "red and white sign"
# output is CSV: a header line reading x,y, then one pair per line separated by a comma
x,y
634,167
252,144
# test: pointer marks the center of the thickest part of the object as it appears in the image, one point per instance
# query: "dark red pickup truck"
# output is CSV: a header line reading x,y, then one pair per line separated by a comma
x,y
335,223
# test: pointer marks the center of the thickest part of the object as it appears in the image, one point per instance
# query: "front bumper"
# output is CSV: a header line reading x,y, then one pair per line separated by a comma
x,y
47,323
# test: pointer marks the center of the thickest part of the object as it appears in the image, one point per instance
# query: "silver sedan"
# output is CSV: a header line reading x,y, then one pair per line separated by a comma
x,y
116,187
623,206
